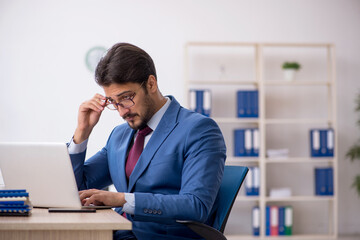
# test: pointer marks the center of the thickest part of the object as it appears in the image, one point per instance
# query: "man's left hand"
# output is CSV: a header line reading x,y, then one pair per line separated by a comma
x,y
100,197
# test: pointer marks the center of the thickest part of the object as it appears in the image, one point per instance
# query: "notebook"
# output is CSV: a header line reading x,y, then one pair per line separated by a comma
x,y
44,170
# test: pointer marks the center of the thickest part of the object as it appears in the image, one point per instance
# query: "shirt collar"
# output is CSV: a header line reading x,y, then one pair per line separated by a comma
x,y
154,121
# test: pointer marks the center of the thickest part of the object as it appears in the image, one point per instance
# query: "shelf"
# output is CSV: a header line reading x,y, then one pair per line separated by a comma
x,y
298,121
299,160
292,237
224,82
278,108
247,198
300,199
296,83
239,161
236,120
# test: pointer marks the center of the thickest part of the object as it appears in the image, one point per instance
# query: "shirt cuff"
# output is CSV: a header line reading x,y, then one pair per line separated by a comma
x,y
129,206
74,148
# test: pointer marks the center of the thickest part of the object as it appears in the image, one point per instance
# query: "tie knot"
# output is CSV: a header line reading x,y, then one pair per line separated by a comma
x,y
145,131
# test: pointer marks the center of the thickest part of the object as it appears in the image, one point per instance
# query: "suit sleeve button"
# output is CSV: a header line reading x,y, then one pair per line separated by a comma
x,y
159,212
145,210
155,212
150,211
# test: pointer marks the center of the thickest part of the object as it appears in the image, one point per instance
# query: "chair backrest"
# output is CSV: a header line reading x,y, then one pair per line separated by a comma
x,y
232,180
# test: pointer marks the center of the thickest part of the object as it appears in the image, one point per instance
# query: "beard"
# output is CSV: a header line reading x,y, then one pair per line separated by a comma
x,y
149,111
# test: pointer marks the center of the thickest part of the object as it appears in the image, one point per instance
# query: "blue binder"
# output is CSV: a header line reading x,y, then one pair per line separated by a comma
x,y
256,221
267,221
239,142
202,101
248,103
241,100
321,178
322,142
282,221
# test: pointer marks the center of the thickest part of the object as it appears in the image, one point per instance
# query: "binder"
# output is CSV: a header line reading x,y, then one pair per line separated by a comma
x,y
274,224
255,104
330,142
256,221
322,142
239,148
330,181
249,182
256,181
206,103
200,101
281,221
315,142
248,142
320,181
267,221
241,99
288,220
248,104
256,142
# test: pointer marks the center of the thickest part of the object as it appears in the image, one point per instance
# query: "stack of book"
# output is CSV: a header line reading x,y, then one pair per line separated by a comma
x,y
324,184
246,142
248,103
322,142
279,220
200,101
14,203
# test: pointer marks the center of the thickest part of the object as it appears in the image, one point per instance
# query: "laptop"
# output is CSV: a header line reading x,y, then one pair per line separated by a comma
x,y
44,170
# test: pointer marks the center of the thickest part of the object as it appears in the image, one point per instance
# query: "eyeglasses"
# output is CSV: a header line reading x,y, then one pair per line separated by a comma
x,y
125,100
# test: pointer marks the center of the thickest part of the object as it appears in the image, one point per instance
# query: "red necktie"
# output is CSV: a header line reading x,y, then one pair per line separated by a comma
x,y
136,150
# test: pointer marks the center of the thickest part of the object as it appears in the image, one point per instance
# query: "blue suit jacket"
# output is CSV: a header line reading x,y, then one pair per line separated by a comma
x,y
177,176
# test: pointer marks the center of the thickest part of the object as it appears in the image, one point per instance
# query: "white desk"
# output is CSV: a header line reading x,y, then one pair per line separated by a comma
x,y
42,225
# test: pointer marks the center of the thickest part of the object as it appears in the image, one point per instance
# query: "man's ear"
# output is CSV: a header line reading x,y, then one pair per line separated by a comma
x,y
151,84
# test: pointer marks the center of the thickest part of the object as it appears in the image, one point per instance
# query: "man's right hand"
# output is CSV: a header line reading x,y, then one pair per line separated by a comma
x,y
89,115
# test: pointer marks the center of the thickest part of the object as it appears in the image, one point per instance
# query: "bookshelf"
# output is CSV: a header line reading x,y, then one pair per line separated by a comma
x,y
287,110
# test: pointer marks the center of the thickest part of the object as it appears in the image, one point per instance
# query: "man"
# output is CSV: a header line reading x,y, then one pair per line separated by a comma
x,y
176,177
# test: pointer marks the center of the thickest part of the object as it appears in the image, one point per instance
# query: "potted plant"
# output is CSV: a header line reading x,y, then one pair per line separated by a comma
x,y
289,70
354,152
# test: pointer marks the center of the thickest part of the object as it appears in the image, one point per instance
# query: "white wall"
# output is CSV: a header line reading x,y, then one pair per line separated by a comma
x,y
43,77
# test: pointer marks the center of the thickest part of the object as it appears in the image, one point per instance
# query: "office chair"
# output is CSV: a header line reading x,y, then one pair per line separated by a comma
x,y
232,180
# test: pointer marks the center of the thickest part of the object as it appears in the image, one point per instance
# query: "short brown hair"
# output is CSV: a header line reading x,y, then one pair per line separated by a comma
x,y
124,63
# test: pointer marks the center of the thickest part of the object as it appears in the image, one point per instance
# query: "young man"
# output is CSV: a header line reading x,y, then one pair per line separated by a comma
x,y
166,162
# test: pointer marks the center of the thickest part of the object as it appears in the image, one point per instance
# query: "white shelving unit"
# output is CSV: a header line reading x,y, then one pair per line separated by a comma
x,y
284,108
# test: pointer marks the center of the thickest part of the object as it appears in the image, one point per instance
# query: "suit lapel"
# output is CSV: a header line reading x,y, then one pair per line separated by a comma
x,y
166,125
121,157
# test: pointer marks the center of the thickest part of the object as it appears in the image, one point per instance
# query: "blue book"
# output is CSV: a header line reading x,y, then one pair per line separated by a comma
x,y
315,142
256,181
239,148
256,221
241,100
281,221
330,143
330,181
13,194
255,142
323,143
249,182
248,104
267,221
200,101
248,142
12,190
320,181
255,103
